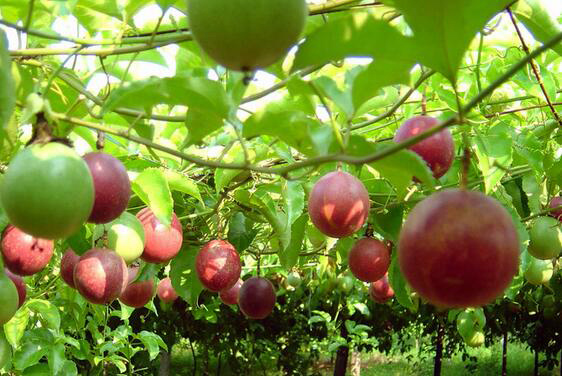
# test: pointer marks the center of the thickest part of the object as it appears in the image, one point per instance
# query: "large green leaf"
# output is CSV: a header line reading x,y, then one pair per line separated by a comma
x,y
399,285
48,313
152,188
538,20
495,154
241,231
443,29
182,183
184,277
15,328
290,255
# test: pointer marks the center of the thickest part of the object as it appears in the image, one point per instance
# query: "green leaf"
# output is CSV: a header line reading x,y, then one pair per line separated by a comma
x,y
56,358
223,176
7,87
47,312
329,88
200,123
293,200
290,255
80,242
537,19
241,231
182,183
152,342
184,277
30,354
443,29
15,328
495,153
152,188
388,224
398,283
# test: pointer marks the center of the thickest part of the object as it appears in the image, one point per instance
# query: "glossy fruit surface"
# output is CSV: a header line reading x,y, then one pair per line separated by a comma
x,y
545,238
67,264
9,298
218,265
166,291
245,35
554,203
24,254
538,272
458,249
112,187
125,235
369,259
381,291
438,150
47,191
162,243
338,204
20,286
230,296
256,298
100,276
137,294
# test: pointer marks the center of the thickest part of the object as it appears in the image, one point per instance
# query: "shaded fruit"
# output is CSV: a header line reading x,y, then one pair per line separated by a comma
x,y
9,299
369,259
112,187
554,203
245,35
345,284
67,264
458,249
162,243
381,291
338,204
137,294
100,276
47,191
125,235
230,296
218,265
256,298
20,286
24,254
438,150
166,291
538,272
294,279
545,238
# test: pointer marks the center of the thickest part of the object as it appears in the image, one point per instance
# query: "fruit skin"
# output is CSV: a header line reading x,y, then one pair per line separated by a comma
x,y
24,254
345,284
369,259
218,265
294,279
125,235
161,243
137,294
245,35
545,238
256,298
9,299
338,204
47,191
100,276
554,203
476,339
166,291
381,291
20,286
112,187
458,249
67,264
538,272
438,150
230,296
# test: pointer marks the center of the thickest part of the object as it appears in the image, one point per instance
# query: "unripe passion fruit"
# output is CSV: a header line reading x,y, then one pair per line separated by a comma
x,y
245,35
47,191
545,238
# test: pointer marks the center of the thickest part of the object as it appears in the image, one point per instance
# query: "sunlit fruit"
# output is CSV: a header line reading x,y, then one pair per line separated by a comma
x,y
438,150
166,291
294,279
47,191
369,259
67,264
469,321
538,272
475,339
545,238
459,249
125,235
162,243
20,286
555,203
9,298
381,291
245,35
137,294
100,276
338,204
24,254
256,298
112,187
218,265
230,296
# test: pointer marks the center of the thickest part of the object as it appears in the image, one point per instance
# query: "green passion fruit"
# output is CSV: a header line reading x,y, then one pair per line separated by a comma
x,y
9,299
545,238
126,237
245,35
47,191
